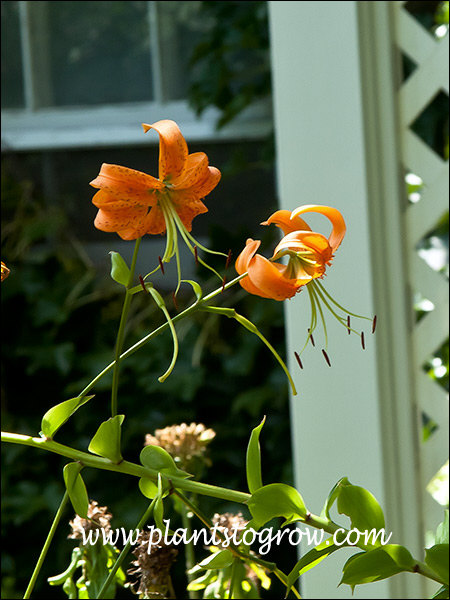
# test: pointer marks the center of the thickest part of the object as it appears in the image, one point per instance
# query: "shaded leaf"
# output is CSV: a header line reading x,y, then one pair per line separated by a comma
x,y
76,489
254,478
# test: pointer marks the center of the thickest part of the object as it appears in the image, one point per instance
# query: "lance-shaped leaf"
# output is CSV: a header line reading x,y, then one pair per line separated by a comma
x,y
158,459
106,441
120,271
276,500
442,530
377,564
437,558
56,416
218,560
254,478
76,489
310,560
361,506
332,497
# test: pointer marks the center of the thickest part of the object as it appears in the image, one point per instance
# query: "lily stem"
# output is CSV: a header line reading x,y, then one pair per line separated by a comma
x,y
121,332
146,516
46,546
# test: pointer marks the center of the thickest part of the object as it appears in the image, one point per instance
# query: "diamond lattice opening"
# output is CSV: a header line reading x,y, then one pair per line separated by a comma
x,y
432,125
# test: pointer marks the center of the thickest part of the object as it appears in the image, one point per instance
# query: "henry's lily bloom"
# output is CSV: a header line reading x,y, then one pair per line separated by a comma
x,y
5,271
308,254
132,203
300,259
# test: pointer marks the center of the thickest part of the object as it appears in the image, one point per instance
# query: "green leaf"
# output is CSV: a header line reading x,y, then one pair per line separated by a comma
x,y
377,564
158,459
254,478
148,487
218,560
76,489
332,497
361,506
442,536
106,441
437,558
119,269
276,500
56,416
310,560
442,593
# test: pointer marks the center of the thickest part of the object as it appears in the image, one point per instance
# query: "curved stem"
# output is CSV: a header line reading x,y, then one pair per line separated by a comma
x,y
121,332
46,546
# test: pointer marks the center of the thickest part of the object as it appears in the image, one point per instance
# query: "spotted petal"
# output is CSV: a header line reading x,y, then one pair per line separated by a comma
x,y
337,221
173,150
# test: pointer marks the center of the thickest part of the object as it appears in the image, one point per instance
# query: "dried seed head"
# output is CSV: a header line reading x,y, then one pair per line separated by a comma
x,y
98,518
185,443
152,567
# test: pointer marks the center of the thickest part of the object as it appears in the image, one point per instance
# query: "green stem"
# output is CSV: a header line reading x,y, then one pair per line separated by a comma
x,y
146,516
189,548
187,311
186,485
126,467
121,332
46,546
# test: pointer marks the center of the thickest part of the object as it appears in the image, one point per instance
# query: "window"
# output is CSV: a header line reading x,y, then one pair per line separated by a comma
x,y
86,74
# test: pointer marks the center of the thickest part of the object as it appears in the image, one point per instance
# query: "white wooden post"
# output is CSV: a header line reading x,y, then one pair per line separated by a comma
x,y
326,154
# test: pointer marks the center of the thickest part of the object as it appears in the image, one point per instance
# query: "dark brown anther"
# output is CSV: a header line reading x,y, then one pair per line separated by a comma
x,y
327,358
348,325
311,337
363,344
142,282
175,303
300,364
374,323
227,263
161,264
196,255
223,283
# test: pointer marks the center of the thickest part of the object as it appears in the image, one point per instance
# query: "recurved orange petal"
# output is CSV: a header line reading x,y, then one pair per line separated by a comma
x,y
173,150
337,221
126,184
119,220
197,176
300,240
270,279
242,264
104,199
188,206
284,220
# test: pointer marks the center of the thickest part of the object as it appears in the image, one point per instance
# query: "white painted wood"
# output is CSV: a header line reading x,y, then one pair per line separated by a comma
x,y
321,159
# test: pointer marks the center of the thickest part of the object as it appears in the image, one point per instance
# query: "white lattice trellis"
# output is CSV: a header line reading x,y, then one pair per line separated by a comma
x,y
429,78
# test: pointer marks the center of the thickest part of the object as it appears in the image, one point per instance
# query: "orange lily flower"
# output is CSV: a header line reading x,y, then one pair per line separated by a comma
x,y
309,253
4,271
132,203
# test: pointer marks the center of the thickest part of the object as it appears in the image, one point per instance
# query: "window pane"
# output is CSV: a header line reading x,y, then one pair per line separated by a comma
x,y
12,81
99,52
181,26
